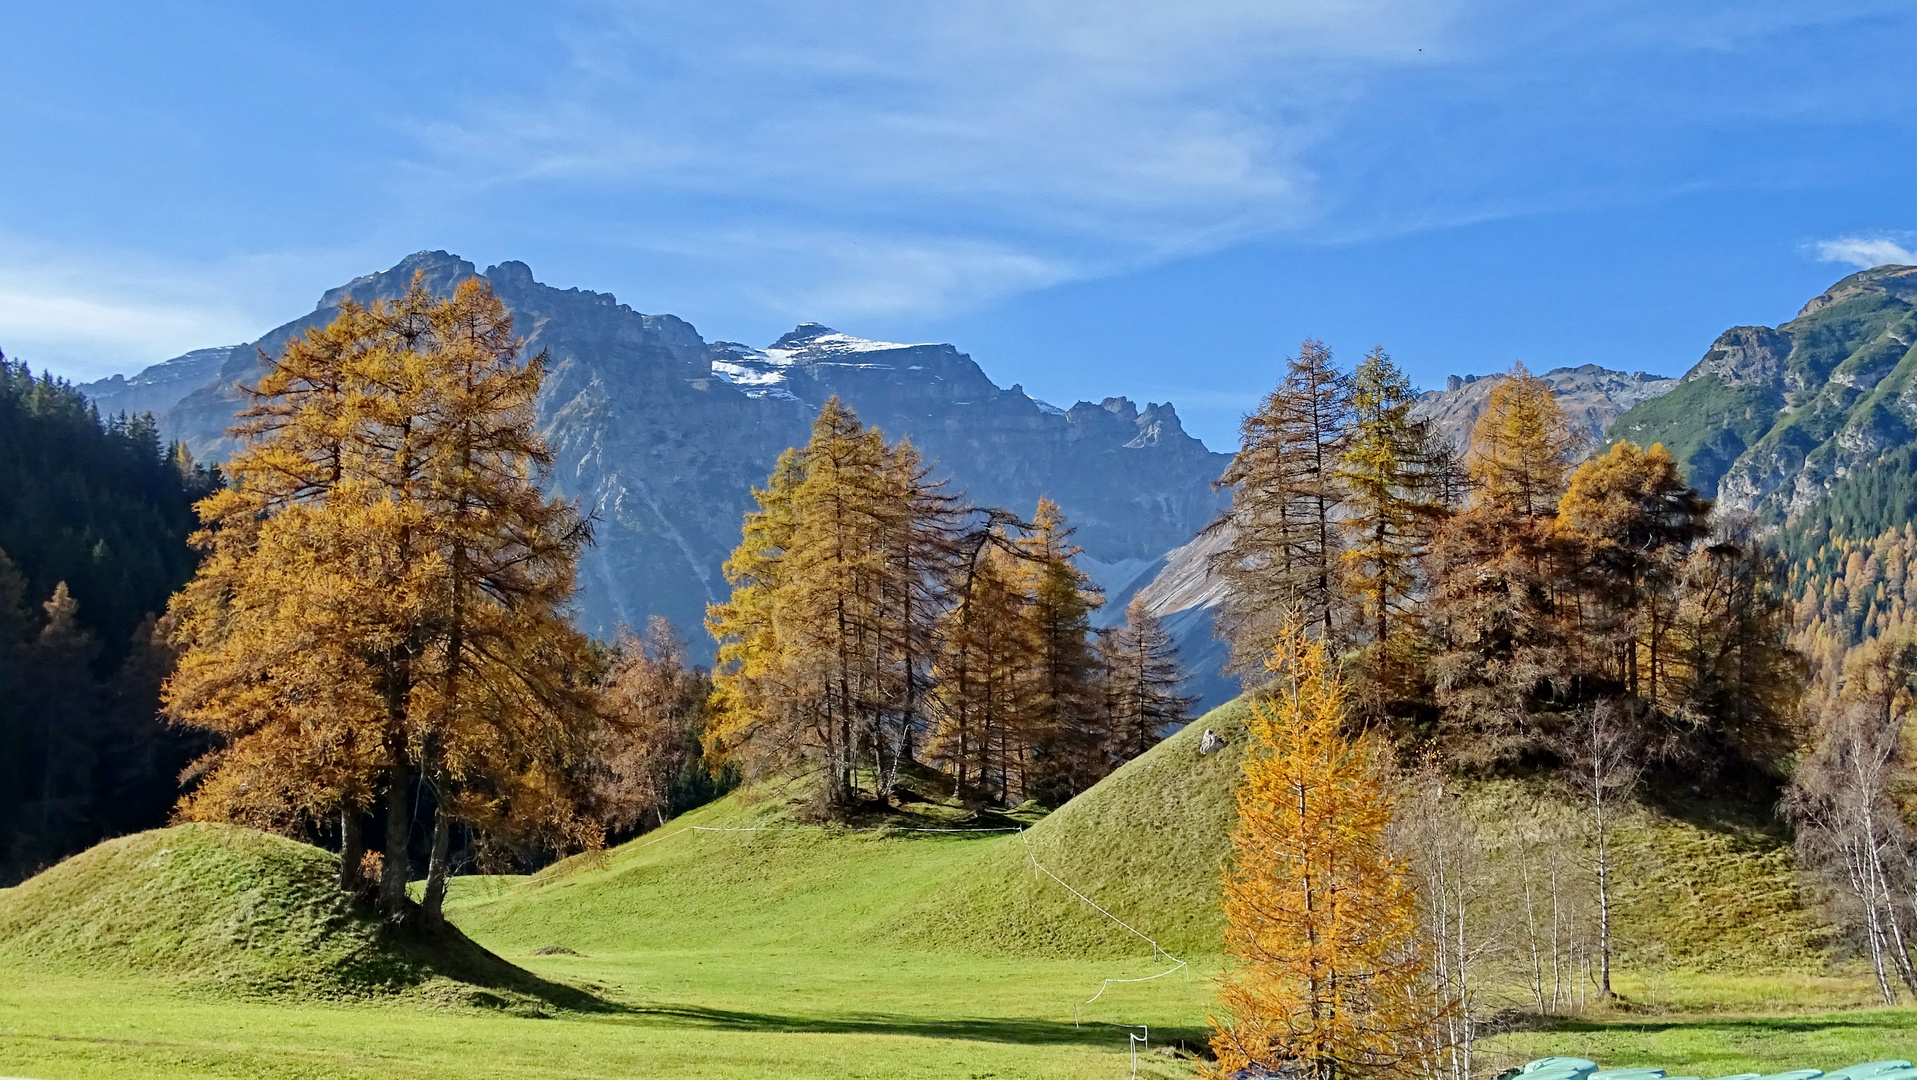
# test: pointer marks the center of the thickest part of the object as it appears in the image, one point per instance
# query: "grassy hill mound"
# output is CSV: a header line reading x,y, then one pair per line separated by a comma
x,y
1147,844
233,910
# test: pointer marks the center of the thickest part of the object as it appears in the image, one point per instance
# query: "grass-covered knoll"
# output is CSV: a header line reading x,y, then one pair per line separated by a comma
x,y
1705,889
227,909
1148,843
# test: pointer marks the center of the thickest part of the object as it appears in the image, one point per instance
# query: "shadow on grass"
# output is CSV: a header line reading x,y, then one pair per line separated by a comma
x,y
1024,1030
443,949
1900,1020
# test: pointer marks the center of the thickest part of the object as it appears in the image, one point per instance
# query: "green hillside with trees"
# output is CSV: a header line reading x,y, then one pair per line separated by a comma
x,y
1771,419
1533,747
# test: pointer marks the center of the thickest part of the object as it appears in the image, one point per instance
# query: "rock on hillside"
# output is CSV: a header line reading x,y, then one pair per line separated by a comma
x,y
1771,419
662,435
1592,398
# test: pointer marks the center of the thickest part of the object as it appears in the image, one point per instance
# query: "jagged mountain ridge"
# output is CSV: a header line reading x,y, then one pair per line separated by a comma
x,y
662,435
1592,398
159,387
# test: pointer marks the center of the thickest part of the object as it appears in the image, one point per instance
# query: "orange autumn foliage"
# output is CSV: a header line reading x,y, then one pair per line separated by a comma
x,y
382,613
1321,916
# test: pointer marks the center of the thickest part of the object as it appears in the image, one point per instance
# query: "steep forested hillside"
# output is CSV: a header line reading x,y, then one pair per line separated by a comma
x,y
94,517
1773,420
95,502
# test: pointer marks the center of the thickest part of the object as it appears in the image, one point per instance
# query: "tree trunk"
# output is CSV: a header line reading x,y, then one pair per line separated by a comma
x,y
433,902
392,880
1604,911
352,851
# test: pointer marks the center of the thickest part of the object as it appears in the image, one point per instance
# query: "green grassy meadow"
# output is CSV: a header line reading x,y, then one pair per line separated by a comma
x,y
784,952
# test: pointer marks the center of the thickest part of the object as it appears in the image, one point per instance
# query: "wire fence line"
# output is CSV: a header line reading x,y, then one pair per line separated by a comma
x,y
1157,951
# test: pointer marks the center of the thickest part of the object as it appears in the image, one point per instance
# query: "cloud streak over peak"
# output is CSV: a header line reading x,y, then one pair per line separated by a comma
x,y
1866,252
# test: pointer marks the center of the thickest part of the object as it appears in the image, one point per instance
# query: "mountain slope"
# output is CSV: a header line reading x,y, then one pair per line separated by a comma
x,y
160,387
662,435
1773,419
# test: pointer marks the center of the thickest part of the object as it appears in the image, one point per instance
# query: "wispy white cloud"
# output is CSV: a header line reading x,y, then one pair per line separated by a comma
x,y
1865,252
87,317
938,154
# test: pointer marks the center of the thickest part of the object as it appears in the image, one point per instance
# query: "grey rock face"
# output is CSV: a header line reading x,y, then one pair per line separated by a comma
x,y
1592,398
1844,370
1745,356
662,436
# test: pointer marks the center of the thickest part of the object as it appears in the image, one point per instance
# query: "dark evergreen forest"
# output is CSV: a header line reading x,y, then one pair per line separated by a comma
x,y
94,519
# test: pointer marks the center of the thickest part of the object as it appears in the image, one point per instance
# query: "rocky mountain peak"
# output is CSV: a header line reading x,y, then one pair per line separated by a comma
x,y
441,270
1891,280
1773,419
803,334
818,343
1745,356
662,435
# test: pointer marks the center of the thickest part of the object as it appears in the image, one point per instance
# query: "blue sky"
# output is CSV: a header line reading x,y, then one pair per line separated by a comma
x,y
1143,198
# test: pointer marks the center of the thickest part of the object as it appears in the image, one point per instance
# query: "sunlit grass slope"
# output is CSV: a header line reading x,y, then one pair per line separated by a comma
x,y
1148,844
1706,892
217,907
733,944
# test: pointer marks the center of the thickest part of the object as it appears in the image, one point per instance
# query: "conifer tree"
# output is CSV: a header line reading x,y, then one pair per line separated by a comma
x,y
1520,448
1321,917
1142,675
1393,474
648,756
1739,677
1282,551
922,553
983,691
762,719
828,604
1496,581
1624,527
64,699
829,641
382,605
1061,725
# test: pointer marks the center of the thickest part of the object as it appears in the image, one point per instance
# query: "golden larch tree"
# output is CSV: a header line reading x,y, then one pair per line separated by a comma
x,y
981,690
1625,525
1062,729
1321,916
1497,586
381,614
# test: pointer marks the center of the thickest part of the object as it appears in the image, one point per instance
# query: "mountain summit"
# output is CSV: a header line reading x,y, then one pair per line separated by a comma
x,y
662,435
